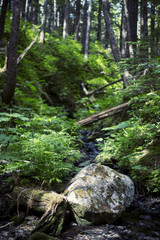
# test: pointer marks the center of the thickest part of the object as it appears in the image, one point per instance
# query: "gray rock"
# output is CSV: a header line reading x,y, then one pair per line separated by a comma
x,y
99,194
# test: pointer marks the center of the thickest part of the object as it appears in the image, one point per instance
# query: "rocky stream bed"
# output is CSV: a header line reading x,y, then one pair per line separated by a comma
x,y
140,221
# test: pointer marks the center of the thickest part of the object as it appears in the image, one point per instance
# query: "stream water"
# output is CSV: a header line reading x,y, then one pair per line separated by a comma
x,y
140,221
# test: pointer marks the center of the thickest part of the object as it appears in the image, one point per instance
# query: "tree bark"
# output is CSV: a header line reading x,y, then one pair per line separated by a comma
x,y
144,30
2,19
29,11
126,47
111,35
152,29
99,30
78,22
86,47
76,19
35,11
35,199
84,26
23,10
133,19
54,15
53,206
50,16
9,89
43,28
66,20
107,113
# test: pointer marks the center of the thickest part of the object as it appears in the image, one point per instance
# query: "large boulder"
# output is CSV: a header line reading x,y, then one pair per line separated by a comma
x,y
99,194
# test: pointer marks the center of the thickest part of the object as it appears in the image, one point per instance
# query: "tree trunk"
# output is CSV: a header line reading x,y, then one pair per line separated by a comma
x,y
133,19
66,20
43,28
126,47
77,19
86,47
78,23
152,29
144,30
50,16
99,30
112,38
9,89
157,32
23,10
53,206
35,11
84,26
2,19
54,15
29,11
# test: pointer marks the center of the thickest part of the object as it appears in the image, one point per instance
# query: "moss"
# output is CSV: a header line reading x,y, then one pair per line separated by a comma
x,y
104,160
41,236
18,219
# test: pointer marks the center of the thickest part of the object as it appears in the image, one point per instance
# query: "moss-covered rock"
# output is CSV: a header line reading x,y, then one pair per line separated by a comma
x,y
41,236
104,159
98,194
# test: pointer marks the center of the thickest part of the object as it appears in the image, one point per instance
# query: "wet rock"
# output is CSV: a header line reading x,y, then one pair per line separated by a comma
x,y
99,194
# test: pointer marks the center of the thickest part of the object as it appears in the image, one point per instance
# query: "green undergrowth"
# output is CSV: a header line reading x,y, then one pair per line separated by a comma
x,y
42,145
135,143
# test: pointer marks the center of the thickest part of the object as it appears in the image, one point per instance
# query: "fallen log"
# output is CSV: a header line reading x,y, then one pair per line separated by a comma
x,y
35,200
104,114
52,205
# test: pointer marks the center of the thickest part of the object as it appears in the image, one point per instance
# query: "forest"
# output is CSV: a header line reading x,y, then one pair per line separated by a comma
x,y
77,72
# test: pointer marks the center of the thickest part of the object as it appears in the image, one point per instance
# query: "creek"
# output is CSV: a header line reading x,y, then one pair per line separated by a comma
x,y
140,221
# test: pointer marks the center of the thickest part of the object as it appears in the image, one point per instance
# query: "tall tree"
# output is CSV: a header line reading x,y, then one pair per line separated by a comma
x,y
86,46
99,30
29,10
133,20
77,18
152,29
9,89
113,42
44,18
78,22
50,16
2,19
23,9
54,14
126,45
144,19
84,26
66,19
35,11
143,29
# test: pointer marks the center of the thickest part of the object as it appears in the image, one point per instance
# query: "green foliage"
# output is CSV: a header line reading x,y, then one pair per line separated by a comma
x,y
41,145
129,140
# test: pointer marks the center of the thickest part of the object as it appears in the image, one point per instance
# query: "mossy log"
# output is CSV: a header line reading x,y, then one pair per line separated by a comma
x,y
36,200
53,206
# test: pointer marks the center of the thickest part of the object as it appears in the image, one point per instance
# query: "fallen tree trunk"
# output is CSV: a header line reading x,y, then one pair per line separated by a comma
x,y
52,205
103,114
34,199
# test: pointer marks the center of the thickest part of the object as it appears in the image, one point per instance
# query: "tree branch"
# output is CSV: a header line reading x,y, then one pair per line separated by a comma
x,y
98,89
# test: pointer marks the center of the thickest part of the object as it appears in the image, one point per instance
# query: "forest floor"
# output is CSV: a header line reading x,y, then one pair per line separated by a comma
x,y
141,221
